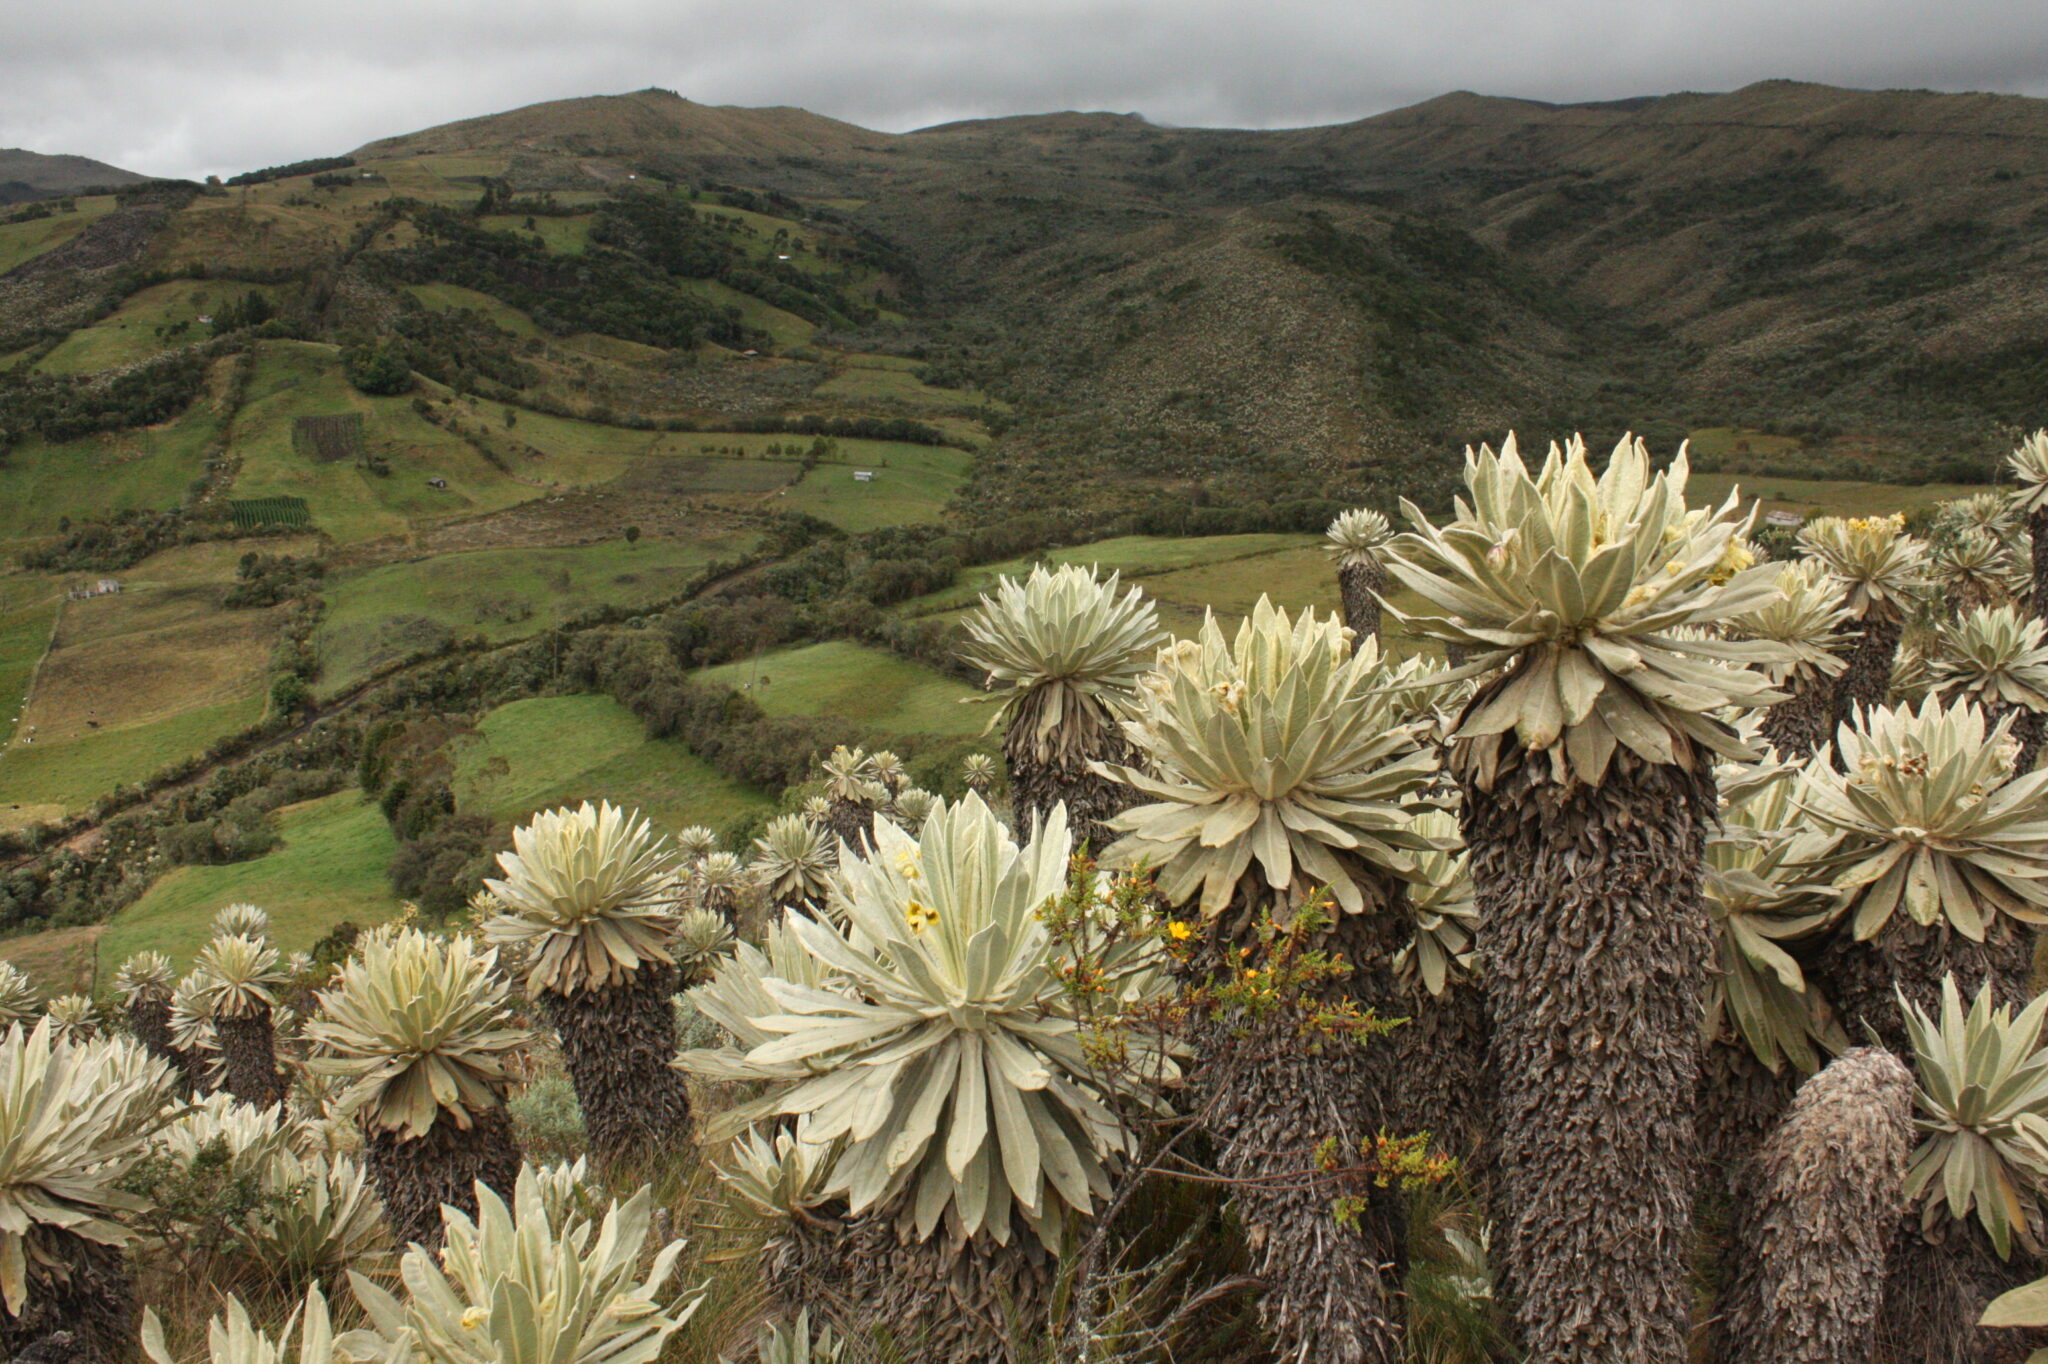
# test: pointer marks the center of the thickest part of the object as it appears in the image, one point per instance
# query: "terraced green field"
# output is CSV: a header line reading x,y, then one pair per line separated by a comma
x,y
559,750
877,691
23,242
912,483
1827,497
330,867
47,779
379,614
349,503
42,482
157,319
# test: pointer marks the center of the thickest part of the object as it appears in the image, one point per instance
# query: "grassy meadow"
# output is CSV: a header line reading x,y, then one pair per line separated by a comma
x,y
880,693
21,243
377,614
555,750
158,319
329,867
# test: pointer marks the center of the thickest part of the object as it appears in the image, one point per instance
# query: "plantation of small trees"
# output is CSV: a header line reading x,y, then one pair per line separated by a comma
x,y
1648,979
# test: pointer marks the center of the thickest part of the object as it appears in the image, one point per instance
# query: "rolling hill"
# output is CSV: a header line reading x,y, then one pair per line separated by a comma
x,y
27,175
769,396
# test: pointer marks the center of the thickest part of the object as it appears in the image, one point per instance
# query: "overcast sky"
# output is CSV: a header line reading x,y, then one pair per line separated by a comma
x,y
225,85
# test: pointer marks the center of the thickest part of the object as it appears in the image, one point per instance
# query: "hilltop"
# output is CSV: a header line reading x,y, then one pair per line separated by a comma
x,y
26,175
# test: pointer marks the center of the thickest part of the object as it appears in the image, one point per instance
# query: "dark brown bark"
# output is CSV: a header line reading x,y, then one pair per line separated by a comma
x,y
1091,800
1360,583
1813,1219
931,1302
616,1045
94,1304
414,1178
2030,729
1741,1100
1273,1100
1803,722
1867,680
1859,978
2037,529
1934,1292
1440,1079
150,1021
248,1052
852,822
1596,947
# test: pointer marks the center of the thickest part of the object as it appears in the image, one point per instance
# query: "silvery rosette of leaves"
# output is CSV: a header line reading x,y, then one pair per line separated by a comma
x,y
588,898
1983,1113
1577,587
1804,614
1762,897
1058,647
522,1285
779,1175
2029,464
1929,815
738,994
1275,751
793,859
1973,568
241,976
1446,910
74,1119
1995,656
951,1065
1356,535
1876,564
416,1028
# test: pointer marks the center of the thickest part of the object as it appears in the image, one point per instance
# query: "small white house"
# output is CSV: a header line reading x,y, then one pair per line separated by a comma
x,y
863,475
1785,519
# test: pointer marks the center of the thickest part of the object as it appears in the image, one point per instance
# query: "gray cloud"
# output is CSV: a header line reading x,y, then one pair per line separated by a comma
x,y
225,85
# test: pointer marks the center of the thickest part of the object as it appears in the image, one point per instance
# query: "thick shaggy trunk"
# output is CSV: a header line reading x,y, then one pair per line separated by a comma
x,y
1274,1100
1595,948
414,1178
1858,978
1440,1079
1036,787
1935,1291
1867,680
1741,1100
1360,582
248,1053
1800,724
2037,529
2030,729
1813,1219
94,1304
617,1045
932,1302
852,822
150,1021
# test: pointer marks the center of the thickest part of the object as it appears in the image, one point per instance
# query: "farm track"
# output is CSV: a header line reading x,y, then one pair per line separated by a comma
x,y
84,837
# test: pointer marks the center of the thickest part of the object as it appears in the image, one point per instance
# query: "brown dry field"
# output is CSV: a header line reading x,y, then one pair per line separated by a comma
x,y
59,960
162,646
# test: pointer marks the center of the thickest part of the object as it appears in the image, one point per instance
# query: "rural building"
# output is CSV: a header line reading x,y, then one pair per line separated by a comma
x,y
1788,520
863,475
105,587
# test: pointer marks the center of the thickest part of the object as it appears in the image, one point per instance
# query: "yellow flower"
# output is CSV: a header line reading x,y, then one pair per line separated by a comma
x,y
1179,931
475,1317
1734,559
906,862
919,917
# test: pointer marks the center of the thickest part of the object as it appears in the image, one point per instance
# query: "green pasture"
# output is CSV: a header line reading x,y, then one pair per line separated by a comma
x,y
23,242
25,622
1134,556
48,778
148,323
350,503
380,614
560,750
329,867
786,328
563,236
866,383
912,483
877,691
1826,497
445,298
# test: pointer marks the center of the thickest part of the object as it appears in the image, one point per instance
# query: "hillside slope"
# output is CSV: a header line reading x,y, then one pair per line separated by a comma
x,y
27,175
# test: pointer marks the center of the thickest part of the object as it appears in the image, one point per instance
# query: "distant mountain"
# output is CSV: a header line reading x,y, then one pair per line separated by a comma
x,y
26,175
1214,315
